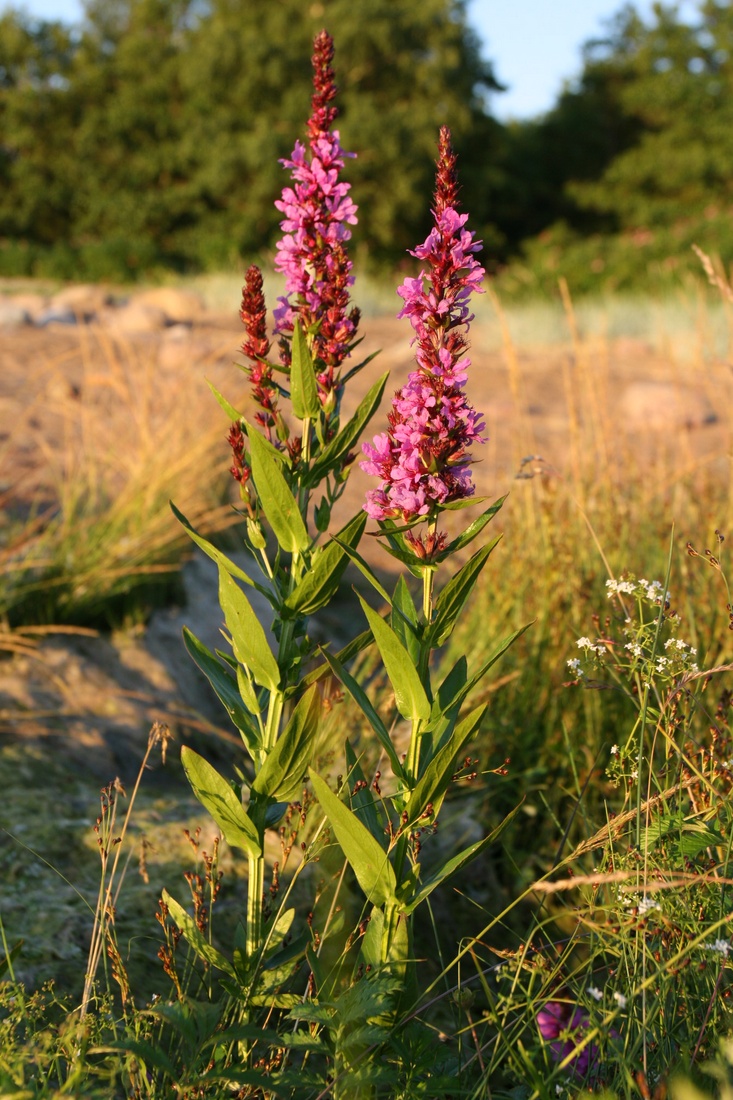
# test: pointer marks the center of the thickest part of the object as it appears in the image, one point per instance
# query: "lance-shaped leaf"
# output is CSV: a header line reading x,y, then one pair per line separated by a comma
x,y
455,864
475,528
410,697
436,778
225,687
198,942
303,384
354,647
216,555
228,409
365,569
362,699
403,619
215,794
362,801
436,718
278,503
281,775
452,599
342,443
366,856
321,581
249,640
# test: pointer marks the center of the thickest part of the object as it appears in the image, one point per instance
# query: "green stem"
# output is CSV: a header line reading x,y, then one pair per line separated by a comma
x,y
255,890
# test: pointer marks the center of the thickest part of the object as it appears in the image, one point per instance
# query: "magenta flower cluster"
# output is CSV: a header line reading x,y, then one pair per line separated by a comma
x,y
423,460
562,1026
318,211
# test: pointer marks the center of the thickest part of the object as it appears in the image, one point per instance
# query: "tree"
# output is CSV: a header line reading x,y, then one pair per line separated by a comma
x,y
166,118
678,81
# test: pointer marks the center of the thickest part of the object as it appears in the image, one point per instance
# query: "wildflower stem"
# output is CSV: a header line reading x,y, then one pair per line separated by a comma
x,y
255,890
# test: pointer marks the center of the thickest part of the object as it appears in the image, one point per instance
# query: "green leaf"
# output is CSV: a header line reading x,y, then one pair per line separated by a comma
x,y
228,409
366,857
351,649
147,1054
342,443
249,640
321,581
363,802
278,503
455,864
247,692
475,528
198,942
364,568
362,699
216,555
452,599
404,619
410,697
437,776
477,676
303,384
360,366
225,687
213,792
281,775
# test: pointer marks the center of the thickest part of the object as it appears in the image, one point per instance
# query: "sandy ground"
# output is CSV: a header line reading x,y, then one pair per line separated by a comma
x,y
549,411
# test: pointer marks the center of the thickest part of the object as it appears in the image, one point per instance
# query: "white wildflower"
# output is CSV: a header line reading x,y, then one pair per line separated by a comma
x,y
614,750
595,993
646,904
620,999
723,947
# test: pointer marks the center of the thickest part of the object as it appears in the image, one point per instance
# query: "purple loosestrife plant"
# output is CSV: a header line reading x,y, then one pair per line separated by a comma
x,y
424,459
275,707
562,1025
272,685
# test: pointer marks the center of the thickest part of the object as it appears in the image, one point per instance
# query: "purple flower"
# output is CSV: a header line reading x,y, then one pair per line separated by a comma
x,y
423,460
562,1025
312,253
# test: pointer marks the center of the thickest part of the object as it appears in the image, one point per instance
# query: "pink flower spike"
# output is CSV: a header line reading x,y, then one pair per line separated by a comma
x,y
312,254
432,425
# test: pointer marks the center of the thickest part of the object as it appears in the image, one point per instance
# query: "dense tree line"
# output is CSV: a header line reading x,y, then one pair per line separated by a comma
x,y
149,136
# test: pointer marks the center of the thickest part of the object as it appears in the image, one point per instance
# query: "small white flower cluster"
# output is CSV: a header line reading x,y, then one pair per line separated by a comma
x,y
652,590
591,647
597,995
722,947
634,649
620,588
575,667
643,905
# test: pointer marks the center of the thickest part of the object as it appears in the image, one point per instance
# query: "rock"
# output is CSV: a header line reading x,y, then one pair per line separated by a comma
x,y
12,315
56,315
133,317
177,304
85,300
664,406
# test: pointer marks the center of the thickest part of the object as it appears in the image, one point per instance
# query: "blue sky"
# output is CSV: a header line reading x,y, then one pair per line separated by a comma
x,y
534,44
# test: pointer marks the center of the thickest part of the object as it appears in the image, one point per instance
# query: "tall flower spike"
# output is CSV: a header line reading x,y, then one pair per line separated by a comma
x,y
265,392
312,253
423,460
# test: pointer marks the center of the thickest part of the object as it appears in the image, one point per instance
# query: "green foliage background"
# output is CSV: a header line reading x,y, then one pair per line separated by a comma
x,y
147,139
